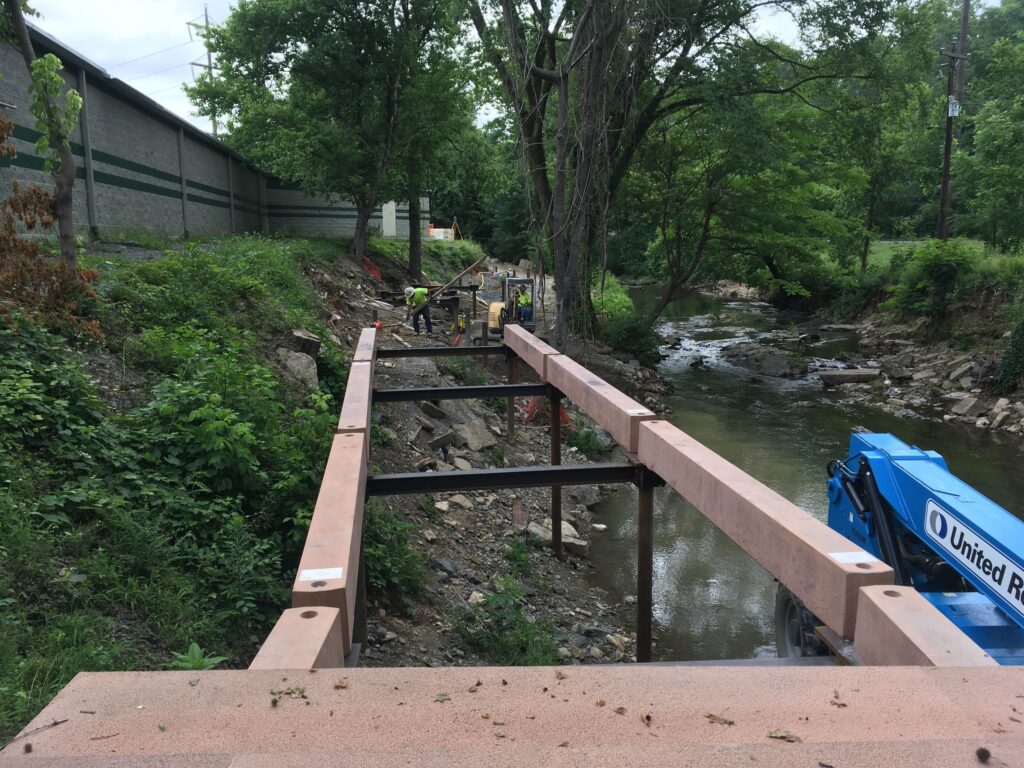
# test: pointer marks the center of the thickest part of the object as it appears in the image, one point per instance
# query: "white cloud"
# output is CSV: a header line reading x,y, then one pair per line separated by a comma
x,y
115,34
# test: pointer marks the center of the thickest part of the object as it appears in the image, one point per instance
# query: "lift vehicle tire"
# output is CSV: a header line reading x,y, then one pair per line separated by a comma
x,y
794,627
502,319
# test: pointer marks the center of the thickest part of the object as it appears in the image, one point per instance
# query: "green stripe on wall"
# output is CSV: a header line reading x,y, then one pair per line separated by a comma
x,y
352,216
205,188
33,163
29,135
208,201
130,165
110,179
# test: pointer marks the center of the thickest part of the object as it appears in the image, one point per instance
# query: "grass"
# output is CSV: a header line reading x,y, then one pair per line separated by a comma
x,y
518,555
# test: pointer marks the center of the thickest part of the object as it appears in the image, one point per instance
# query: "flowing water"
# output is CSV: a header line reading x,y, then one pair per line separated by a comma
x,y
711,601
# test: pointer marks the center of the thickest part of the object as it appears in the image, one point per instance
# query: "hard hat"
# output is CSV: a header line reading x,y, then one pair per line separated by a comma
x,y
409,292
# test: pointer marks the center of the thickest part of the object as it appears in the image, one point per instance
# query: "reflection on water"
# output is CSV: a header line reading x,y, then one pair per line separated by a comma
x,y
711,600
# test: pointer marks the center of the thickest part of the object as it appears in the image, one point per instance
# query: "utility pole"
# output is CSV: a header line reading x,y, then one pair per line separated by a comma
x,y
957,64
208,66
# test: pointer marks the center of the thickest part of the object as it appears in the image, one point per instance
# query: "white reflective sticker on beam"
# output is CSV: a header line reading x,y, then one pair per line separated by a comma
x,y
313,574
853,557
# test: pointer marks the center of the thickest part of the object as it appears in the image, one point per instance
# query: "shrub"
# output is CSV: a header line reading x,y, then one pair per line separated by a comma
x,y
584,439
611,301
933,278
518,556
1011,365
464,370
633,335
502,633
392,565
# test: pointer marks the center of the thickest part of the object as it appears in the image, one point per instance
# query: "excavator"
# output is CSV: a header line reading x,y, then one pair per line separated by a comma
x,y
963,552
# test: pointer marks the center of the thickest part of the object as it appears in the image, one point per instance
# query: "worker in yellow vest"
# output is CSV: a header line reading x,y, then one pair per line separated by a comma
x,y
418,301
524,306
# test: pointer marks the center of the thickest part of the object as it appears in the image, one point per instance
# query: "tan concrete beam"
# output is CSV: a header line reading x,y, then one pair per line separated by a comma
x,y
328,572
303,638
897,626
366,347
356,407
532,350
823,568
614,411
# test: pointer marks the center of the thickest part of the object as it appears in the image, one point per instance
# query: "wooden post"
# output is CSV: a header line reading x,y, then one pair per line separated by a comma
x,y
555,403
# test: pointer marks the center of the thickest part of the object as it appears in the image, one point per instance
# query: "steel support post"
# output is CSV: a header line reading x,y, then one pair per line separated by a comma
x,y
555,404
646,484
510,403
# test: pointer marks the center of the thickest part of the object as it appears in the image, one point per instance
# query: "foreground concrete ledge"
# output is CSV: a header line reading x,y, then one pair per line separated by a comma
x,y
366,347
328,572
573,716
820,566
358,402
534,352
619,414
898,626
303,638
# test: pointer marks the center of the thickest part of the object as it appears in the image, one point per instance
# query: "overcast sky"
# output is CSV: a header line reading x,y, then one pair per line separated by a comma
x,y
146,42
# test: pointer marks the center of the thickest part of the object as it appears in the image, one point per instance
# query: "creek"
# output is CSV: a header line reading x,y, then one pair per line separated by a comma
x,y
712,601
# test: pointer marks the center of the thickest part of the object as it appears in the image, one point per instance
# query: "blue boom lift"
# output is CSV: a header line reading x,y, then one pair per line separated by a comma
x,y
961,551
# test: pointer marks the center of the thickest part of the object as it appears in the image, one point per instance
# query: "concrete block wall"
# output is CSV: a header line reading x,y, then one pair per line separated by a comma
x,y
142,168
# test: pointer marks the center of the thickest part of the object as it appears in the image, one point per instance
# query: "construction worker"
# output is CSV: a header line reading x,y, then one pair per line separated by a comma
x,y
418,300
524,305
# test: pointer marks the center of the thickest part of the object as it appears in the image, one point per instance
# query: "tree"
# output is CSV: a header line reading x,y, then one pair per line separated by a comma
x,y
315,91
613,69
56,111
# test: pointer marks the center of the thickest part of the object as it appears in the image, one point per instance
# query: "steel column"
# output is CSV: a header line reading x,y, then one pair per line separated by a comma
x,y
510,403
646,484
555,421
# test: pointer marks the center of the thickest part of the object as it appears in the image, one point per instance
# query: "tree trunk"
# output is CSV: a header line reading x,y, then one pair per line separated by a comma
x,y
415,236
363,212
64,178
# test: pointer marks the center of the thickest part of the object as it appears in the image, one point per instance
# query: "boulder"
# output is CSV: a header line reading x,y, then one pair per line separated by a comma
x,y
475,435
928,373
300,367
895,370
461,463
1000,419
767,361
848,376
969,407
960,371
542,534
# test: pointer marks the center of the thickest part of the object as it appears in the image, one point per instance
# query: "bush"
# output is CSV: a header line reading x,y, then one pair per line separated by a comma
x,y
518,556
584,439
392,566
464,370
633,335
1011,365
612,301
933,278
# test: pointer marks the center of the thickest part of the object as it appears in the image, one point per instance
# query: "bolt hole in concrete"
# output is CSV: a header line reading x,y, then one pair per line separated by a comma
x,y
891,593
319,584
309,614
865,566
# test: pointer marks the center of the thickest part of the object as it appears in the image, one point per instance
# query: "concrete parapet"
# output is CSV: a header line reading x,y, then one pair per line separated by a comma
x,y
329,568
897,626
614,411
366,347
820,566
303,638
533,351
358,402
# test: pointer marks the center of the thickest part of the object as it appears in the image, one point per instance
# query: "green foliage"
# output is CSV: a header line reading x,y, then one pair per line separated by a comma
x,y
195,658
391,564
635,336
584,439
465,370
495,454
933,278
503,633
1011,364
518,556
611,301
56,112
380,435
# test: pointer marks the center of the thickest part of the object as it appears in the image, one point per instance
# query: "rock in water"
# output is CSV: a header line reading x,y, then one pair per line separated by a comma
x,y
848,376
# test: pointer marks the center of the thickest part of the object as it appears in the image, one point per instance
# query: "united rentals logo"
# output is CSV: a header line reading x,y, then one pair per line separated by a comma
x,y
969,550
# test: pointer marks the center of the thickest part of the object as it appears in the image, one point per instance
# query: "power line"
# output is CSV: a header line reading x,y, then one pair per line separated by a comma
x,y
157,72
161,90
154,53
